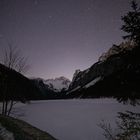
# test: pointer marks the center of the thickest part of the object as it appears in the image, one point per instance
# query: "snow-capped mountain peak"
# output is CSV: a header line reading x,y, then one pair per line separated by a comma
x,y
58,84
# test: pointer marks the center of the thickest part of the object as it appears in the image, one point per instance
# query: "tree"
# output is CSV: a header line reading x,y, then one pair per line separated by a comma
x,y
13,60
132,24
128,127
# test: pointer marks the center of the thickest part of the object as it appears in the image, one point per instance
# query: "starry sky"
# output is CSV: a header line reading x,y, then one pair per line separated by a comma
x,y
60,36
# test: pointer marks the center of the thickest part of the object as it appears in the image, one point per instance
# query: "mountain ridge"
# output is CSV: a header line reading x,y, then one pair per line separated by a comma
x,y
118,73
57,84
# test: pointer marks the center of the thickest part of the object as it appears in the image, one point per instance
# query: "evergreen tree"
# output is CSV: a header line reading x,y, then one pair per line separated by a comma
x,y
132,23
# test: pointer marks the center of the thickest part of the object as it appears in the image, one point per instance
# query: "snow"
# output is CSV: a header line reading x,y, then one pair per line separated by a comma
x,y
92,82
5,134
76,74
75,119
87,85
78,87
87,70
58,83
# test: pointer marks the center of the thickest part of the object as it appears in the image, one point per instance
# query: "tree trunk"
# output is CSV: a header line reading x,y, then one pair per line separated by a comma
x,y
11,106
3,107
6,108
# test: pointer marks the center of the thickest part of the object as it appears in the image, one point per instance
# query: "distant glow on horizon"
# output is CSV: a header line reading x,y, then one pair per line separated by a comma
x,y
59,37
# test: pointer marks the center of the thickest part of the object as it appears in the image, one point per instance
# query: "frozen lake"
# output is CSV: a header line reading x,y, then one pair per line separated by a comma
x,y
72,119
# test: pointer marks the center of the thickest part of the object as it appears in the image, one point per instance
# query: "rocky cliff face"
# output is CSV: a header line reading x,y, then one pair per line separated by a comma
x,y
58,84
55,85
117,72
108,63
52,88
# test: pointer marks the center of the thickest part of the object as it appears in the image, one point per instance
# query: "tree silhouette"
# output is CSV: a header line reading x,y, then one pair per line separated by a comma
x,y
132,23
128,125
12,59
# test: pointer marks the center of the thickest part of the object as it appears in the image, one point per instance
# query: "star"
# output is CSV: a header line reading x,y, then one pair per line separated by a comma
x,y
50,17
1,36
89,8
36,2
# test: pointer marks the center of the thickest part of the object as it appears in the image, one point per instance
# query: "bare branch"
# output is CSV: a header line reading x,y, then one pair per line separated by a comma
x,y
13,59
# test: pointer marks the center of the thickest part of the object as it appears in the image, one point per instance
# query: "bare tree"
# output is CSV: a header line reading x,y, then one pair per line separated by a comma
x,y
13,59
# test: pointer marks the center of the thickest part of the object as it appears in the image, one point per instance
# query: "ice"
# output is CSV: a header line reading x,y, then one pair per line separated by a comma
x,y
75,119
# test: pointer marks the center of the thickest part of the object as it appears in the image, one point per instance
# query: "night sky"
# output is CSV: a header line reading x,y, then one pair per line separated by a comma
x,y
60,36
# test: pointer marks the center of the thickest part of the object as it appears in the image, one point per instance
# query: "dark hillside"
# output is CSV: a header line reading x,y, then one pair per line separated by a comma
x,y
17,86
119,77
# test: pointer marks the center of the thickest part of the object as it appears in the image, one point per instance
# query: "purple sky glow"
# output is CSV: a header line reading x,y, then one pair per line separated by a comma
x,y
60,36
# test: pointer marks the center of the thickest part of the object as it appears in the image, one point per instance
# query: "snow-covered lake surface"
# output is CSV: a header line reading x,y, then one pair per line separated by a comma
x,y
72,119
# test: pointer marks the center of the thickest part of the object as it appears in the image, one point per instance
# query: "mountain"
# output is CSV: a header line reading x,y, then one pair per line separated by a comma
x,y
116,74
46,93
58,84
20,87
17,86
52,88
